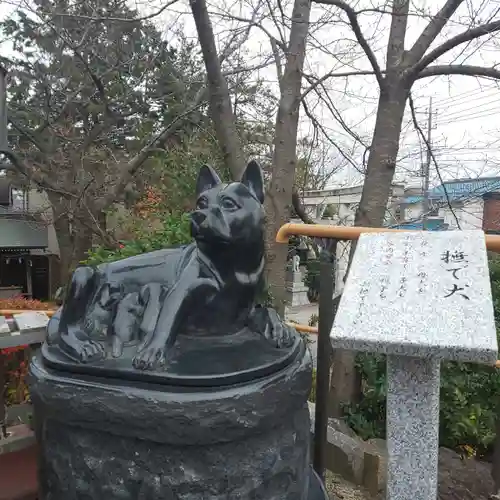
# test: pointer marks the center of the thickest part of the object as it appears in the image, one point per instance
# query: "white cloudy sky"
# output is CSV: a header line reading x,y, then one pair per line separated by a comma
x,y
466,131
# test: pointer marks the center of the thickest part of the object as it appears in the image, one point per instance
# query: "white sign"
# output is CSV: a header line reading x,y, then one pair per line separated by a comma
x,y
419,294
4,327
31,320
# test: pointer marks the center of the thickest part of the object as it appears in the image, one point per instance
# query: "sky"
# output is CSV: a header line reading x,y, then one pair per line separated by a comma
x,y
465,130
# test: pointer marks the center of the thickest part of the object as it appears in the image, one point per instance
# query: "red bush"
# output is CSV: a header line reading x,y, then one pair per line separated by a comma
x,y
20,302
16,358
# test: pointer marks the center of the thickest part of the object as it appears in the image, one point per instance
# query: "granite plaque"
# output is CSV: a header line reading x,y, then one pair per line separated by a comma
x,y
421,294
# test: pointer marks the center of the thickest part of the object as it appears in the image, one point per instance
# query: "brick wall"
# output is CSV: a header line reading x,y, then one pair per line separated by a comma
x,y
491,212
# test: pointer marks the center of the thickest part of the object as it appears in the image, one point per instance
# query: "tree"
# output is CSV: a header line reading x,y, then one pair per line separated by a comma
x,y
315,165
96,96
88,102
403,68
284,157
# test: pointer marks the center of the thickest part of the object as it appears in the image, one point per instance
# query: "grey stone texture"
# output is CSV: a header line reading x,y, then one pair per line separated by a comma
x,y
4,326
107,441
412,428
31,320
419,294
360,462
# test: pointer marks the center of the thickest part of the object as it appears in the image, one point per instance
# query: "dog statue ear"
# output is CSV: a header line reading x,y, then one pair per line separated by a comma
x,y
253,180
207,179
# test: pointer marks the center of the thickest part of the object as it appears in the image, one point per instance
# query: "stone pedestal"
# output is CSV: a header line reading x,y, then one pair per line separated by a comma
x,y
106,439
296,290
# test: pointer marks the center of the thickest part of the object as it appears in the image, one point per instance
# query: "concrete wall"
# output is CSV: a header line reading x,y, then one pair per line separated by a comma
x,y
469,215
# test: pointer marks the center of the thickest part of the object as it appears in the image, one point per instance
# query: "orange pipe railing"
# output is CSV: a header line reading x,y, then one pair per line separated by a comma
x,y
10,312
313,330
353,233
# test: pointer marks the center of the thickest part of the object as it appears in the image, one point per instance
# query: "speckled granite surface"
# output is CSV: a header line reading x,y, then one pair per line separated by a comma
x,y
423,294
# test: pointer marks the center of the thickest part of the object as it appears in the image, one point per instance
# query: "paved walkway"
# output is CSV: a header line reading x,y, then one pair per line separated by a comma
x,y
18,479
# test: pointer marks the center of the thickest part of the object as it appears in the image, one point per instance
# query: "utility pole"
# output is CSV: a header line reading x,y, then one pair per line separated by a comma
x,y
427,168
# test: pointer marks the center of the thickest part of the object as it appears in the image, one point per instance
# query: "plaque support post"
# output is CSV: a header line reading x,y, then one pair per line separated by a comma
x,y
412,427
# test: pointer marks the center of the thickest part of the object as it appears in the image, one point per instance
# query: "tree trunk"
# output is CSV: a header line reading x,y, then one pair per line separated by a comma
x,y
280,190
220,101
74,242
73,237
345,383
382,159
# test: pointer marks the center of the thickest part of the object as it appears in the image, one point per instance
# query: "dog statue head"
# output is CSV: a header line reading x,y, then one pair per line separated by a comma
x,y
232,214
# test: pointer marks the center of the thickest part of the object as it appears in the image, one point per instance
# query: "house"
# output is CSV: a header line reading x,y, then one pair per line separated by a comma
x,y
28,244
458,204
455,204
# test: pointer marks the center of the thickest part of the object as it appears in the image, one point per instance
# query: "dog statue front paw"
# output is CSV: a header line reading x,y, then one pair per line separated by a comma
x,y
150,357
267,322
81,349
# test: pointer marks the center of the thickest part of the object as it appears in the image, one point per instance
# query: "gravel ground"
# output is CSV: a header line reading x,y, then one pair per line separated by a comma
x,y
340,489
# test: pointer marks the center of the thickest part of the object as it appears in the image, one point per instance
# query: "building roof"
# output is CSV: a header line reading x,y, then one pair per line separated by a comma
x,y
467,188
22,234
431,225
460,189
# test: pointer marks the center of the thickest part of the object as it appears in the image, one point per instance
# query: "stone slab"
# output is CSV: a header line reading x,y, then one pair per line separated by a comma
x,y
31,320
4,326
294,276
16,339
297,298
295,287
19,438
419,294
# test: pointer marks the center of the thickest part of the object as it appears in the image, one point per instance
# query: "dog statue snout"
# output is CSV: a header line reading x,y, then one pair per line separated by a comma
x,y
199,217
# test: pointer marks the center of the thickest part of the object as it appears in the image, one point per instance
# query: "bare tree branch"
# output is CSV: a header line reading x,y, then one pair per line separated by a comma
x,y
453,42
418,128
459,69
299,208
129,169
277,60
120,19
432,30
219,98
356,28
31,174
327,136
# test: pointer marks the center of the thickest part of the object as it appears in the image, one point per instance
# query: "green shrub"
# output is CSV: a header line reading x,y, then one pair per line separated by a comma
x,y
175,230
469,396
